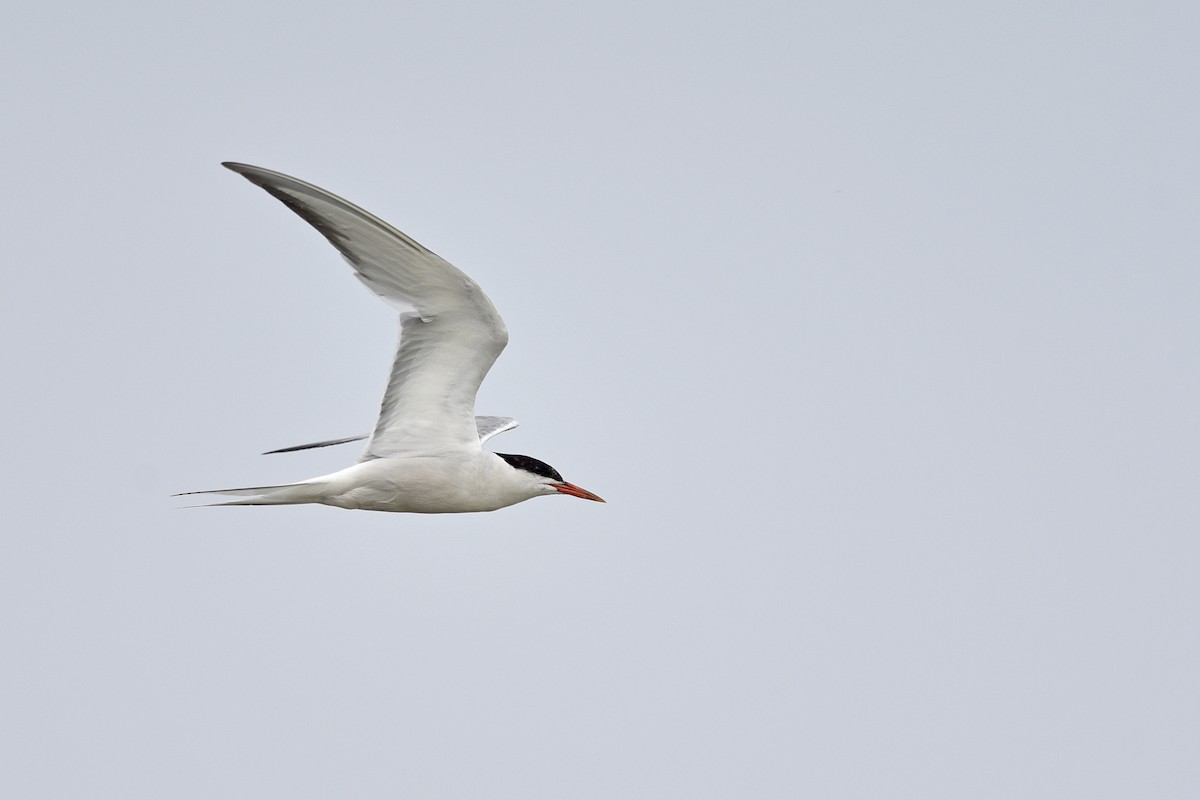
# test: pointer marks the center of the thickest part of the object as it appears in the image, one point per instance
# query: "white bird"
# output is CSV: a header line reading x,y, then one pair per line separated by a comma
x,y
426,452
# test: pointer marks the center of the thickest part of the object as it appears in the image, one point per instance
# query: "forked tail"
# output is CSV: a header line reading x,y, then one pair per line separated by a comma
x,y
286,494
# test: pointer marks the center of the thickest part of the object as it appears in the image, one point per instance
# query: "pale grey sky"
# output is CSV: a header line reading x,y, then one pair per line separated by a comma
x,y
876,325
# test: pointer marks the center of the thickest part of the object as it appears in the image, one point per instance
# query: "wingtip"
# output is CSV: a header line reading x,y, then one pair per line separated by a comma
x,y
261,176
247,171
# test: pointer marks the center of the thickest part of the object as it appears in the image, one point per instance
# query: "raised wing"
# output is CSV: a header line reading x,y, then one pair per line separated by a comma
x,y
487,427
450,333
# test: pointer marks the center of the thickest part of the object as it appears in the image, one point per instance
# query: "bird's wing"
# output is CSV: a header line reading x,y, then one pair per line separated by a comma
x,y
314,445
487,427
450,333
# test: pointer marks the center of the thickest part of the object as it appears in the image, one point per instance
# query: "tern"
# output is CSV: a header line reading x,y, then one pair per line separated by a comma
x,y
426,453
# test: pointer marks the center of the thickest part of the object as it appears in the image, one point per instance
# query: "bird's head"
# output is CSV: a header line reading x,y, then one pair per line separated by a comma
x,y
543,478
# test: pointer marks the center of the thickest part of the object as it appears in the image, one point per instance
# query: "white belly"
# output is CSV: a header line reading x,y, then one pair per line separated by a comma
x,y
444,484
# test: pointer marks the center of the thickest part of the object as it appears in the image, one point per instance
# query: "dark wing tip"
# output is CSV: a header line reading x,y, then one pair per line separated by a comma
x,y
256,175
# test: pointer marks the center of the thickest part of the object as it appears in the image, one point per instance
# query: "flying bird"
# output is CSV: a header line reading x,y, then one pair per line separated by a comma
x,y
426,453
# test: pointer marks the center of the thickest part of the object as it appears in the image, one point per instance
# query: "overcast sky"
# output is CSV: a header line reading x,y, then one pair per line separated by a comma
x,y
875,323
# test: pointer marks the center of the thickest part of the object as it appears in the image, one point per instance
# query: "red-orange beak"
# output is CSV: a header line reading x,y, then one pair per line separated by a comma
x,y
575,491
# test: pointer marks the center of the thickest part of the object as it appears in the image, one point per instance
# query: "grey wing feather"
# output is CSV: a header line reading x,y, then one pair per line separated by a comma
x,y
313,445
491,426
486,426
